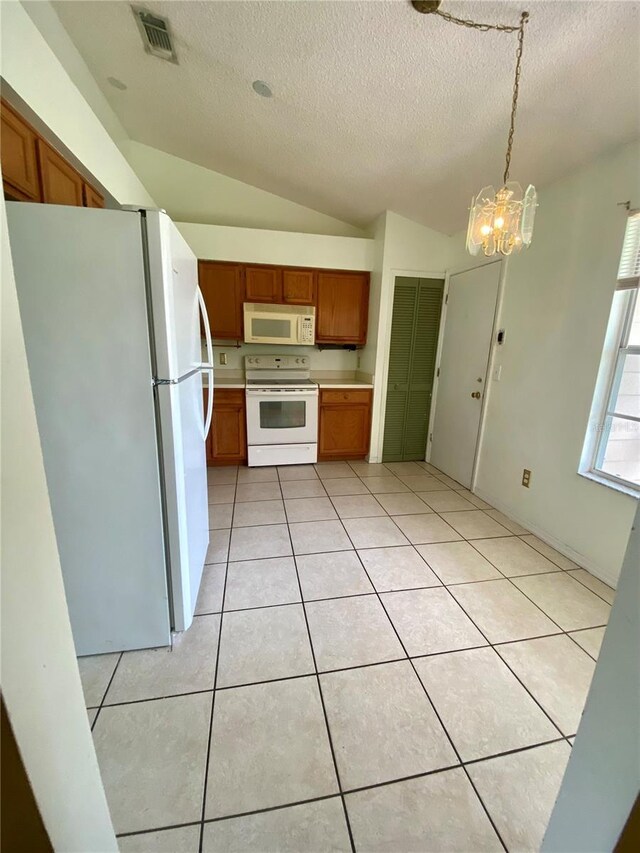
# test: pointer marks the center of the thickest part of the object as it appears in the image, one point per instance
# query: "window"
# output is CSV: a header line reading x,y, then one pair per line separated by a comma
x,y
616,449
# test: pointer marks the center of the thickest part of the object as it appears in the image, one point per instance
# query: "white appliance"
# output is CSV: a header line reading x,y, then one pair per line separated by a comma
x,y
282,410
279,324
110,309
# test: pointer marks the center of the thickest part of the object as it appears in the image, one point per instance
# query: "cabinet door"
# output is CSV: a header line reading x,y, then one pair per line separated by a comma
x,y
61,184
345,424
92,198
299,287
342,307
19,159
344,432
228,429
223,292
263,284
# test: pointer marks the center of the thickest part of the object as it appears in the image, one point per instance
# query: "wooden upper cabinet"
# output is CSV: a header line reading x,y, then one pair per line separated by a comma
x,y
19,157
299,286
91,197
61,184
262,284
223,290
342,307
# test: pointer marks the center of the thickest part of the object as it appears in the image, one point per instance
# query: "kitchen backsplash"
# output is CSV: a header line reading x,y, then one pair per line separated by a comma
x,y
321,360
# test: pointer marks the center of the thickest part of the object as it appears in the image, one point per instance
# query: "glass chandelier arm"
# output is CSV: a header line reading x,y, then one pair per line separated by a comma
x,y
516,88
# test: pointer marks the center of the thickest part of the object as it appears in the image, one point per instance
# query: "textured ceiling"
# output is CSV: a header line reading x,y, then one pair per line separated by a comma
x,y
375,107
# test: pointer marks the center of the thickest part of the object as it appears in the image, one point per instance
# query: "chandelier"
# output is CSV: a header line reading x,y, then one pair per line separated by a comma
x,y
499,221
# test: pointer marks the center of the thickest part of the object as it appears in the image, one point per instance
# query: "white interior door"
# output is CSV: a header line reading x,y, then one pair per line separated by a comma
x,y
463,370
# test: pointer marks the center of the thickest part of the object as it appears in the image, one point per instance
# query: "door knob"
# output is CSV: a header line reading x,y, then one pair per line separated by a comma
x,y
475,395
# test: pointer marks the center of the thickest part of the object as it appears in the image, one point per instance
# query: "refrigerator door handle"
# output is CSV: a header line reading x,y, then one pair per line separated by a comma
x,y
207,423
209,365
207,329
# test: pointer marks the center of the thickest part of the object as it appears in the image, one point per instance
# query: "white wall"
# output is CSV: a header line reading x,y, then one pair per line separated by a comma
x,y
260,246
192,193
407,249
555,309
32,70
40,679
602,778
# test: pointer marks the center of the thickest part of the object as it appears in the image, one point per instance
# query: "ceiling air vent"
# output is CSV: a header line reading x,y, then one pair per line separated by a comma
x,y
156,34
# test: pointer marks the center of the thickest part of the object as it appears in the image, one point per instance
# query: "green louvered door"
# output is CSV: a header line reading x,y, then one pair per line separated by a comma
x,y
417,303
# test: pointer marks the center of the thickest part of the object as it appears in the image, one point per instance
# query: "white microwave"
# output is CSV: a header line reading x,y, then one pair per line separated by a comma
x,y
279,324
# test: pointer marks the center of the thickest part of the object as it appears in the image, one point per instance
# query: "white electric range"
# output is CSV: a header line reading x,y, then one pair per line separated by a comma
x,y
282,410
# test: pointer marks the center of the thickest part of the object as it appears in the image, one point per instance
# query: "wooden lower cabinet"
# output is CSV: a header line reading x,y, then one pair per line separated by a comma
x,y
227,440
344,424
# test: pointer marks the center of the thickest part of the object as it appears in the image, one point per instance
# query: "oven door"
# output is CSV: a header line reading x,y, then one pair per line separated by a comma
x,y
282,416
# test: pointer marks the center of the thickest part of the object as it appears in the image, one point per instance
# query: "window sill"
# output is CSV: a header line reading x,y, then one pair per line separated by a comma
x,y
611,484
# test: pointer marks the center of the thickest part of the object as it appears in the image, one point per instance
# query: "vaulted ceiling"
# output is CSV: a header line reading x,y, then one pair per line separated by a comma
x,y
374,106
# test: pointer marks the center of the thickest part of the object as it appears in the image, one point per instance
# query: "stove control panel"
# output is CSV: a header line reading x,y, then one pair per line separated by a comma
x,y
276,362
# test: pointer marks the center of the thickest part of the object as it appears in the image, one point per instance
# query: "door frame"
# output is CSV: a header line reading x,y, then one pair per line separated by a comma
x,y
380,391
497,316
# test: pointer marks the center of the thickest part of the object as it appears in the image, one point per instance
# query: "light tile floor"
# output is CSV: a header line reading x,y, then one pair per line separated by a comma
x,y
379,661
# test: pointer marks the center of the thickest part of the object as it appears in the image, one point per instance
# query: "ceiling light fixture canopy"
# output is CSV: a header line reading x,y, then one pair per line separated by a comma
x,y
499,221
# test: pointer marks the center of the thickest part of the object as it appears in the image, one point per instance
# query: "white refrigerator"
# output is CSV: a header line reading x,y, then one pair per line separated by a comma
x,y
111,313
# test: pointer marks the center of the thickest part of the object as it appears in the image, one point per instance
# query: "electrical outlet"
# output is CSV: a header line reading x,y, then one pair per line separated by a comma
x,y
526,477
223,358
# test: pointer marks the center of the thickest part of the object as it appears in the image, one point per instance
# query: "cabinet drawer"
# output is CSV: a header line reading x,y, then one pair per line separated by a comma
x,y
346,395
228,397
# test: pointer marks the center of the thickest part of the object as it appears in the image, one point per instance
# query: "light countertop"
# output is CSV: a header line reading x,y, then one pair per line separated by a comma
x,y
343,383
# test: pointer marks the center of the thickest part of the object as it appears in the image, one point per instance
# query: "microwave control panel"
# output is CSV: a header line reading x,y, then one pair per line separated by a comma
x,y
306,330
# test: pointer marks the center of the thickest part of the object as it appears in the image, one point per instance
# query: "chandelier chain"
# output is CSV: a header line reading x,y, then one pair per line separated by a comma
x,y
474,25
516,88
502,28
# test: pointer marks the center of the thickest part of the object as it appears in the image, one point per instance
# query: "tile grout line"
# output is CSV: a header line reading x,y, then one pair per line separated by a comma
x,y
379,663
492,645
484,645
215,681
104,695
435,711
565,632
319,686
359,789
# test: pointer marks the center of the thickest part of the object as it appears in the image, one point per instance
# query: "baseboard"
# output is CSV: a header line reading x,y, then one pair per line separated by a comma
x,y
582,560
